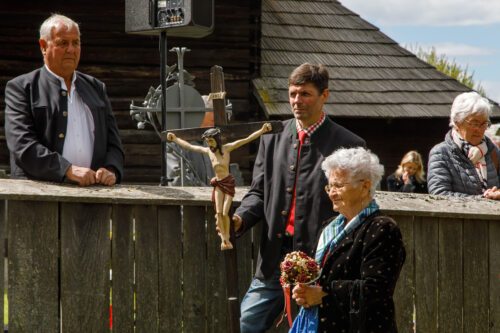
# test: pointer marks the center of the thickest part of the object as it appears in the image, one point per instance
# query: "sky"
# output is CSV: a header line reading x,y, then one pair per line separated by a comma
x,y
467,31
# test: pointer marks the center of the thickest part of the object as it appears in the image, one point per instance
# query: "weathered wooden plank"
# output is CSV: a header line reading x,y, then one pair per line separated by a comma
x,y
244,247
476,280
405,288
426,274
194,269
146,263
85,264
122,264
216,296
494,276
170,260
391,203
3,244
33,266
450,278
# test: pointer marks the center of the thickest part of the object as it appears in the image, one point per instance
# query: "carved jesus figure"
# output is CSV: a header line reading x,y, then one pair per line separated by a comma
x,y
223,182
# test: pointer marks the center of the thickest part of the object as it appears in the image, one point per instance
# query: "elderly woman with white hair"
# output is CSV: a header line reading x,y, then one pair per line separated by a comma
x,y
360,253
466,164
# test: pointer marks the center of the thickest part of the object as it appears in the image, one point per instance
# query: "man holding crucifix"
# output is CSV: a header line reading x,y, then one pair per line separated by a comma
x,y
287,192
223,182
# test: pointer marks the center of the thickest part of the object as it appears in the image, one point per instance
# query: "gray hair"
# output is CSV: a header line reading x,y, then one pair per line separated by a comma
x,y
466,104
360,163
53,21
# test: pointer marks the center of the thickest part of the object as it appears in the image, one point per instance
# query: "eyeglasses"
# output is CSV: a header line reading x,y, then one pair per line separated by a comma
x,y
478,125
338,186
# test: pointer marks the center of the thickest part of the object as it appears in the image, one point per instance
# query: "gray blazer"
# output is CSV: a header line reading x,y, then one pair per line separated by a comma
x,y
270,195
450,172
36,121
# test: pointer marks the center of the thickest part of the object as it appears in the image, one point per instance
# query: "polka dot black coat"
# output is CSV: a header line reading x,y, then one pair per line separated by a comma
x,y
359,278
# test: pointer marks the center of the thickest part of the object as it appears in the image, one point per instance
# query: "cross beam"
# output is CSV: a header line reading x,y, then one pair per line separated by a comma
x,y
228,132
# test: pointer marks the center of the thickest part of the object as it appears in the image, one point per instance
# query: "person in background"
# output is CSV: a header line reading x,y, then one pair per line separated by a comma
x,y
466,164
360,252
286,193
410,175
59,125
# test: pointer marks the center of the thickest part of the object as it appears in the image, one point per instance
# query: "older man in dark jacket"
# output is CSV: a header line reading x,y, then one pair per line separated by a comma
x,y
58,122
287,192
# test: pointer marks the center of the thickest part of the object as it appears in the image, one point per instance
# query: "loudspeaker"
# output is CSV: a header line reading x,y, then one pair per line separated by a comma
x,y
179,18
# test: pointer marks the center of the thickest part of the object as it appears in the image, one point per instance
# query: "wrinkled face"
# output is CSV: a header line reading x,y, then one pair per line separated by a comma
x,y
347,195
306,102
410,168
473,127
62,53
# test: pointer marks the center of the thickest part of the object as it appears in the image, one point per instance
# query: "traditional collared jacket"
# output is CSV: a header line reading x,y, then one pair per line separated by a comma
x,y
36,120
269,198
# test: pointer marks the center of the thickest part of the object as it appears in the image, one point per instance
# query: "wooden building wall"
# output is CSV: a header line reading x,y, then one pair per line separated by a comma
x,y
129,64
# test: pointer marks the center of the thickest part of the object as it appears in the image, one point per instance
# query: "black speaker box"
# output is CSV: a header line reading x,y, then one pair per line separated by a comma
x,y
179,18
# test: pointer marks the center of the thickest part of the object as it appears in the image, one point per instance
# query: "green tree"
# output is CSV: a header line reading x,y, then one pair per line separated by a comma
x,y
448,67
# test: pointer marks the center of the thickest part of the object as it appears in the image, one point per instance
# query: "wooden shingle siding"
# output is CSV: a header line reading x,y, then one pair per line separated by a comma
x,y
371,75
383,111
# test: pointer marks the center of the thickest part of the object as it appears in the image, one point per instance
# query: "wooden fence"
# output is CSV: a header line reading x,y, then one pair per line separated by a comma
x,y
168,272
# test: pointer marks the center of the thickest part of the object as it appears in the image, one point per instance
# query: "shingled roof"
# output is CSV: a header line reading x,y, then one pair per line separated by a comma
x,y
370,74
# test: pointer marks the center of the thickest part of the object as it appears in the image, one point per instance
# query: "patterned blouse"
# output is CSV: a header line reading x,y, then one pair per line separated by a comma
x,y
359,278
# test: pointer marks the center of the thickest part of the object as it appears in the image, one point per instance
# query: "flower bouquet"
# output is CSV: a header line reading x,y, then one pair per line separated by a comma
x,y
296,267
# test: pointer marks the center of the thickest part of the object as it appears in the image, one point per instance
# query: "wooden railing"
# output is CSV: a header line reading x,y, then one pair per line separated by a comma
x,y
168,272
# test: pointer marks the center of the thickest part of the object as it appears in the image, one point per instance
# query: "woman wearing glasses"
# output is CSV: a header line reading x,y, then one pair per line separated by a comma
x,y
466,164
360,253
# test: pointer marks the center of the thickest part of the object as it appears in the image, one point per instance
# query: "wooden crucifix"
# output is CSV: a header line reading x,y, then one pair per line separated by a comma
x,y
218,152
227,132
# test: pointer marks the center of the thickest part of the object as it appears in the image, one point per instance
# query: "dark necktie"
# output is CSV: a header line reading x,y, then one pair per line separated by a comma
x,y
291,217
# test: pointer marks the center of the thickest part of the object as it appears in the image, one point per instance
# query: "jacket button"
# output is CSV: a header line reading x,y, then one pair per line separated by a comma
x,y
65,113
279,235
61,135
63,93
292,167
284,213
289,189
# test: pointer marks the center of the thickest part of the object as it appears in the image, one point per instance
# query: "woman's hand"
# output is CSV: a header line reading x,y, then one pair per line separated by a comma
x,y
492,193
307,296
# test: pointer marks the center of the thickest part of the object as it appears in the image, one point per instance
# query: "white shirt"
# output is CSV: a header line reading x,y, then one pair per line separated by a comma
x,y
79,140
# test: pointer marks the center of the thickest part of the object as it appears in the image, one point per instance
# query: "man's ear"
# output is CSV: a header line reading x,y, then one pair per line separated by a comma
x,y
43,45
325,94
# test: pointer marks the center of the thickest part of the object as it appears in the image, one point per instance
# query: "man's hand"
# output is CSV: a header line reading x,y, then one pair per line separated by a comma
x,y
237,222
105,177
81,175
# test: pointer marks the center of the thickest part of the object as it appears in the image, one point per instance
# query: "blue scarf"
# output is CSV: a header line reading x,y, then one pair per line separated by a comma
x,y
332,235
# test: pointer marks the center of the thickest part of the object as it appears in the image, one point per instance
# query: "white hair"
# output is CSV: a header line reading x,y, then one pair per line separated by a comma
x,y
466,104
359,163
53,21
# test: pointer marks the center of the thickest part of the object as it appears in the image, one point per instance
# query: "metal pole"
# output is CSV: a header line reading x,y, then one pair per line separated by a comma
x,y
163,80
180,66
